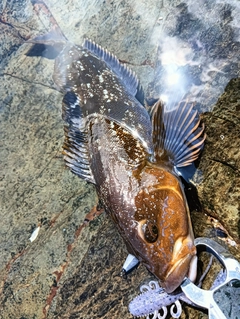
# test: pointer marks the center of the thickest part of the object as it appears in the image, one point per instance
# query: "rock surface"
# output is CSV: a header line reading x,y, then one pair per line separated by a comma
x,y
71,271
219,190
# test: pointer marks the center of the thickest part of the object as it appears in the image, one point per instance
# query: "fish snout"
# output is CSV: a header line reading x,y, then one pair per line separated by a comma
x,y
183,264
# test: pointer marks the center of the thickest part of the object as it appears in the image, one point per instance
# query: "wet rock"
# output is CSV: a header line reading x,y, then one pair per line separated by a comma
x,y
219,190
69,270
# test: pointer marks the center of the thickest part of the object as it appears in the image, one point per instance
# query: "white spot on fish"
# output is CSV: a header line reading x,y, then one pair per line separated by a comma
x,y
112,124
81,67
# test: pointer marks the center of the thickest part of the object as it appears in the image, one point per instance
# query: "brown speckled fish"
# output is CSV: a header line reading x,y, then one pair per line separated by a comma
x,y
130,155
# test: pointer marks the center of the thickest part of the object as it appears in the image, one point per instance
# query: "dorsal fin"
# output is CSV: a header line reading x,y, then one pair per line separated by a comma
x,y
125,74
75,147
177,133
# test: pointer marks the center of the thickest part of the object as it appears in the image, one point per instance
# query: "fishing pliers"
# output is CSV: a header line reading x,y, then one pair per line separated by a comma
x,y
223,301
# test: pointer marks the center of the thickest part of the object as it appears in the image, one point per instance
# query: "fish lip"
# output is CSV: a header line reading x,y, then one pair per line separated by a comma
x,y
181,261
173,280
183,253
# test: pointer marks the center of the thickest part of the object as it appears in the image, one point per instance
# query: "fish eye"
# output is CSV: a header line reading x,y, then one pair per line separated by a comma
x,y
150,231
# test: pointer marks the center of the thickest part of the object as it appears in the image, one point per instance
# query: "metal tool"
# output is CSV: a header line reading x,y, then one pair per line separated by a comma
x,y
222,302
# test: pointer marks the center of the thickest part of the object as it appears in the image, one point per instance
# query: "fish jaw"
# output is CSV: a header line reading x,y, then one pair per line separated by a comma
x,y
183,264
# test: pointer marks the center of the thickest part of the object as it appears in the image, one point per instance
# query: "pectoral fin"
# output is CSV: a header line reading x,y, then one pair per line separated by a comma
x,y
177,133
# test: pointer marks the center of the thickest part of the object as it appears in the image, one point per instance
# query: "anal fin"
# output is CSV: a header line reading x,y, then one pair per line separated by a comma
x,y
75,147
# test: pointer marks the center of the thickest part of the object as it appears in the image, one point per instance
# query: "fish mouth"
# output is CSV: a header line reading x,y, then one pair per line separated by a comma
x,y
184,263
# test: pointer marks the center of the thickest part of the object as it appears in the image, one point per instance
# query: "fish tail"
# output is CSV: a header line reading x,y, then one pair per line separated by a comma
x,y
50,44
40,6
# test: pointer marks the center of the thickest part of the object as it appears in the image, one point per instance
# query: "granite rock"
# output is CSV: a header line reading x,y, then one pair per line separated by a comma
x,y
73,271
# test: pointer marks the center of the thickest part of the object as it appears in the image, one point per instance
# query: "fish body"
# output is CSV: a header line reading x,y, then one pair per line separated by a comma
x,y
129,154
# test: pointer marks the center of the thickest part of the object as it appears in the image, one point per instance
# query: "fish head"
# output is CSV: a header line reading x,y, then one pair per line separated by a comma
x,y
164,240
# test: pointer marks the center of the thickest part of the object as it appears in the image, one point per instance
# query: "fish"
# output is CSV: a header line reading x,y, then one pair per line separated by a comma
x,y
131,155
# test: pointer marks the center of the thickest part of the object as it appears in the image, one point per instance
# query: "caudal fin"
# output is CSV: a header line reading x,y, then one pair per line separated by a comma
x,y
50,44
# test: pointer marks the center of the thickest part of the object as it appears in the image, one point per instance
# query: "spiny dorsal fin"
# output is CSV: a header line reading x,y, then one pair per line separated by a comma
x,y
127,76
177,133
